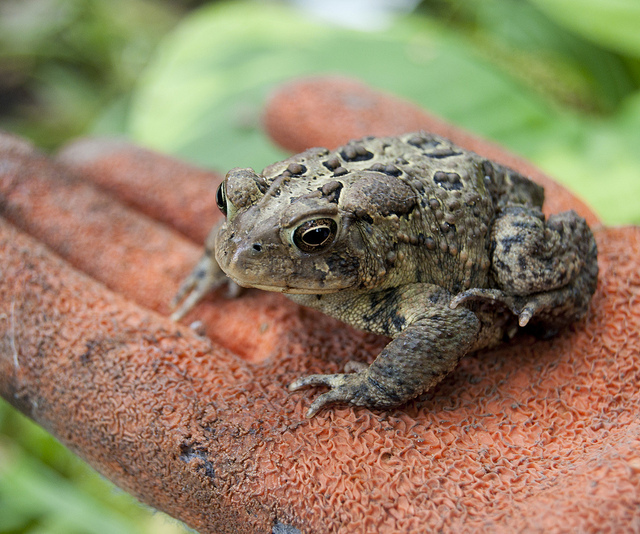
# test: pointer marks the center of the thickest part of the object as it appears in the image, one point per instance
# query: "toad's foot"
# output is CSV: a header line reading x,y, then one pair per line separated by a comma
x,y
524,308
354,388
204,277
414,361
550,310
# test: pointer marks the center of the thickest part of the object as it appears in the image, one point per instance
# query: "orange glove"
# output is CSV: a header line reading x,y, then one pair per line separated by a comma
x,y
533,436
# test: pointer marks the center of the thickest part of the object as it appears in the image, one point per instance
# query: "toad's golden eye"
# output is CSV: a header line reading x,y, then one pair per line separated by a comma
x,y
221,198
315,235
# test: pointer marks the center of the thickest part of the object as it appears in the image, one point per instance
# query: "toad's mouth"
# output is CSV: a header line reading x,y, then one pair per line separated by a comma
x,y
282,288
294,290
286,281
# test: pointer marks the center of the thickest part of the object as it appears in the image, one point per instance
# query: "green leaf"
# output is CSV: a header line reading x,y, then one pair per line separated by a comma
x,y
202,97
29,490
603,164
612,23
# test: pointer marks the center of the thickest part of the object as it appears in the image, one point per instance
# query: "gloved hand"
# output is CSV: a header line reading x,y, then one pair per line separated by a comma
x,y
533,436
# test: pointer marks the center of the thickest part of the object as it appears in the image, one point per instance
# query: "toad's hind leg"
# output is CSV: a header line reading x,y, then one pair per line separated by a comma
x,y
545,270
549,267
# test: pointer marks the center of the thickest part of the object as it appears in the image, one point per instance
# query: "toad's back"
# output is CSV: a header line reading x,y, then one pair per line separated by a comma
x,y
435,207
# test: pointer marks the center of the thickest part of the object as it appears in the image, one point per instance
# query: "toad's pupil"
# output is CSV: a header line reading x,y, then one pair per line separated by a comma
x,y
221,199
316,236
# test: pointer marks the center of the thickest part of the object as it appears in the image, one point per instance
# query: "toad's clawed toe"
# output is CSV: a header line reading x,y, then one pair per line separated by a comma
x,y
345,388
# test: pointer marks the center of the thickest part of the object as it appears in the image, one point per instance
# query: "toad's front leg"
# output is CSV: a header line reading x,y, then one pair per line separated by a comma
x,y
429,340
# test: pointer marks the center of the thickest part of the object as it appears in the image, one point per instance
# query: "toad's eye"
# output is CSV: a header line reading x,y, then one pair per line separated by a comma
x,y
221,198
315,235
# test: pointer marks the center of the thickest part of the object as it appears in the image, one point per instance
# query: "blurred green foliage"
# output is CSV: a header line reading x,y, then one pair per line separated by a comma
x,y
44,489
63,61
555,80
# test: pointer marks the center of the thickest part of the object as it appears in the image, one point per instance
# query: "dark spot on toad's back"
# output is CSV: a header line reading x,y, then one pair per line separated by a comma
x,y
355,153
441,152
296,168
448,180
332,164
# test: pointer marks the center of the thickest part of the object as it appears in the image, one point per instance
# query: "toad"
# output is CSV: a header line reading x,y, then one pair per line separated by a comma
x,y
411,237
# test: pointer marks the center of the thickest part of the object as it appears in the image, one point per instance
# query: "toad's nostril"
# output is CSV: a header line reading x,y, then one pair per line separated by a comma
x,y
257,247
